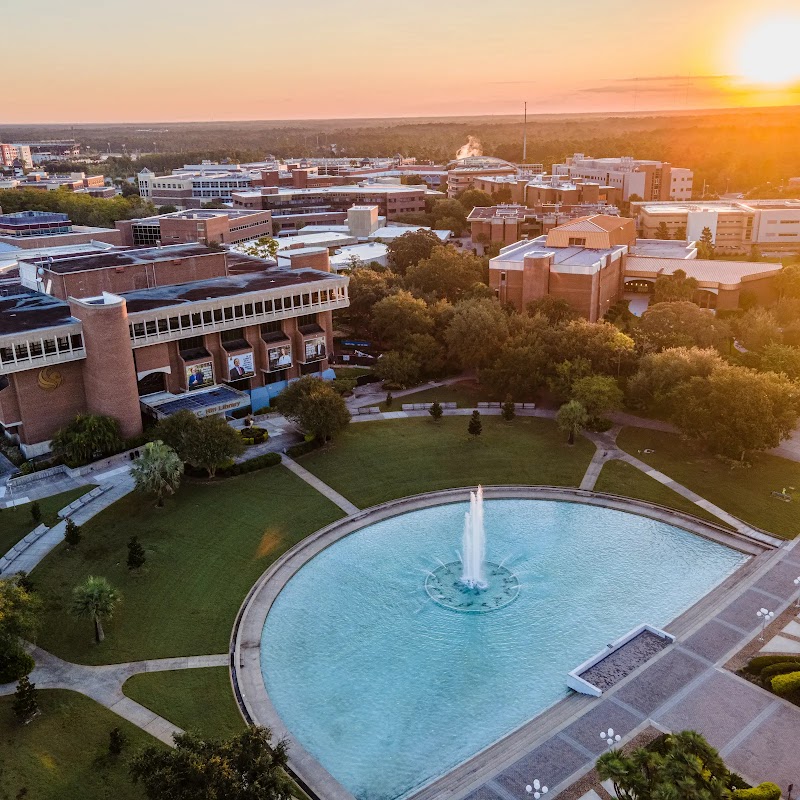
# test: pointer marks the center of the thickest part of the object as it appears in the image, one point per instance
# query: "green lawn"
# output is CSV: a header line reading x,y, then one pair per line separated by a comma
x,y
466,394
343,371
741,491
205,550
617,477
16,522
378,461
63,753
198,700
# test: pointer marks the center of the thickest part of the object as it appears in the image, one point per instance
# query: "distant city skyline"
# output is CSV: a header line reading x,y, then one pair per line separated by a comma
x,y
175,62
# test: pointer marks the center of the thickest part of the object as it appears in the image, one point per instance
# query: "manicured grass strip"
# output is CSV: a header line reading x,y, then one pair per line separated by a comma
x,y
205,549
741,491
466,394
378,461
617,477
16,523
63,753
197,700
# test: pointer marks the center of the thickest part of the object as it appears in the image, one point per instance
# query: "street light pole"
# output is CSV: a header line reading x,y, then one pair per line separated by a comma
x,y
765,616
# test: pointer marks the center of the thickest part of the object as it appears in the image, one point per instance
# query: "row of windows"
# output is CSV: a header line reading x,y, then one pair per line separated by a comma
x,y
200,319
27,351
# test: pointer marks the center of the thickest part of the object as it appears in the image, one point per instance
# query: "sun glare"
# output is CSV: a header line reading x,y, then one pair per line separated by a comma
x,y
770,52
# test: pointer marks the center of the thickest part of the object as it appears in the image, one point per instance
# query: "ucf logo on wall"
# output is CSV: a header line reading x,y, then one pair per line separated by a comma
x,y
49,379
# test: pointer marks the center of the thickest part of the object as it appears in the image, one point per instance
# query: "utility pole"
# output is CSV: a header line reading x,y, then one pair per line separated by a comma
x,y
525,135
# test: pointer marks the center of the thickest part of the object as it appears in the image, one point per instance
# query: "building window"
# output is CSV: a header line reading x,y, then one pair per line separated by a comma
x,y
307,319
232,335
575,241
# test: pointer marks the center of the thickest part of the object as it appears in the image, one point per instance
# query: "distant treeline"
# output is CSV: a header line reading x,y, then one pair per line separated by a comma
x,y
734,150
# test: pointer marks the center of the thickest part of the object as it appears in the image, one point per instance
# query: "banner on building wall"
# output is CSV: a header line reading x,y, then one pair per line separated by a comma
x,y
240,366
200,376
279,357
314,349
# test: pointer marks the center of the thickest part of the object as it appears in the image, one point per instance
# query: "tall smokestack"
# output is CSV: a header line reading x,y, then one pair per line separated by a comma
x,y
525,136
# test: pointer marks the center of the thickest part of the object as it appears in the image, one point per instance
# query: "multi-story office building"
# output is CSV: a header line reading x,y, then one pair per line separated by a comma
x,y
592,262
16,155
771,225
287,205
223,226
649,180
74,182
538,190
42,229
153,331
34,223
463,172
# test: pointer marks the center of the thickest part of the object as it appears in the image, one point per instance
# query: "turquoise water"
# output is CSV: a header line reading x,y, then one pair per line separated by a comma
x,y
389,690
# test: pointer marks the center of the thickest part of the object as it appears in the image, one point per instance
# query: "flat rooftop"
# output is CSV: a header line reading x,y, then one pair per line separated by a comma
x,y
30,311
511,211
215,288
662,248
704,270
562,256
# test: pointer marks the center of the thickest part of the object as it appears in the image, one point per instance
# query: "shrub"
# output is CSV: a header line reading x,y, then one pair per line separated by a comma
x,y
786,684
764,791
251,465
14,663
301,449
36,512
784,667
755,665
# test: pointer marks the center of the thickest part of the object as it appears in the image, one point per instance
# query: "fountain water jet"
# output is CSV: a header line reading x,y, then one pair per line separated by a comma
x,y
474,544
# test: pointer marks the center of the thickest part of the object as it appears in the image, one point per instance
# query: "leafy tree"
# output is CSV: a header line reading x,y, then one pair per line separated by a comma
x,y
213,443
680,233
475,426
264,247
737,410
685,766
315,407
366,288
556,310
412,180
606,347
566,373
25,704
449,215
436,411
396,317
472,198
96,599
674,288
410,249
705,246
598,394
166,209
662,231
247,767
476,332
660,374
36,512
19,619
430,355
117,741
781,358
398,369
87,437
507,411
572,418
447,273
758,328
621,315
136,554
787,281
157,471
72,534
679,324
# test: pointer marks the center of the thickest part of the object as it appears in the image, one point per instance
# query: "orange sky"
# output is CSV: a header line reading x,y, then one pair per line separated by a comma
x,y
260,59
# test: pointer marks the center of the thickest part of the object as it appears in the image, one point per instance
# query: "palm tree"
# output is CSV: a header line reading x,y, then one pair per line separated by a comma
x,y
86,437
158,471
95,598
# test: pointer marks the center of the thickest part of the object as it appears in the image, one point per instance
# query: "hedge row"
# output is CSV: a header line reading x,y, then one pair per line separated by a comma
x,y
251,465
764,791
304,447
755,665
784,667
786,684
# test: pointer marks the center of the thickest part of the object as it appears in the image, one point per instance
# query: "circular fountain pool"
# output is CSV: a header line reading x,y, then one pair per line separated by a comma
x,y
388,688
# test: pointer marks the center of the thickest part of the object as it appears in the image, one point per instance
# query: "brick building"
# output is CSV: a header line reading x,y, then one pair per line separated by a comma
x,y
151,331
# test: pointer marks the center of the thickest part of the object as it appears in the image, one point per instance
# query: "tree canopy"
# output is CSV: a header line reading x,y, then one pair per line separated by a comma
x,y
87,437
315,406
411,248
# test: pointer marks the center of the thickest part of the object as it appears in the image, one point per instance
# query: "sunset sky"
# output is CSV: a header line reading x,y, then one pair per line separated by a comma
x,y
150,60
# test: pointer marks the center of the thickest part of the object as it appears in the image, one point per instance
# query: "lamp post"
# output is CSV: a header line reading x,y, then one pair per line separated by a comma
x,y
537,790
796,582
609,737
765,617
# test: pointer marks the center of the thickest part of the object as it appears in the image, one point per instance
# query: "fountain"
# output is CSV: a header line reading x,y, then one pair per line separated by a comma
x,y
473,583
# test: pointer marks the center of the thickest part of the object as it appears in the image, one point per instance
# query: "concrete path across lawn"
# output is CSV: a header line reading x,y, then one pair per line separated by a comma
x,y
31,556
104,684
322,488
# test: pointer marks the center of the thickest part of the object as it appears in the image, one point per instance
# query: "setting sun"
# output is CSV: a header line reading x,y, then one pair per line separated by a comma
x,y
770,51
